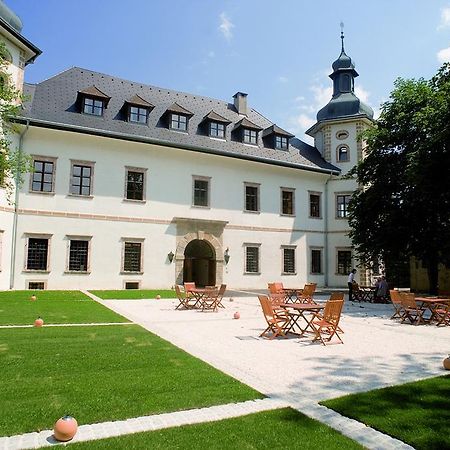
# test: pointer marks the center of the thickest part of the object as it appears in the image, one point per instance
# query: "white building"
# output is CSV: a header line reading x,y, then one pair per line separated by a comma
x,y
140,186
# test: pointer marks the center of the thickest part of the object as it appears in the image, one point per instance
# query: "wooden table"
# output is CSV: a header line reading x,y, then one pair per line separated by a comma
x,y
297,311
200,294
291,294
365,294
430,304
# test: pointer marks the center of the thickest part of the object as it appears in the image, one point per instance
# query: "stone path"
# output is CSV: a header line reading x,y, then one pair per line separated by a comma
x,y
141,424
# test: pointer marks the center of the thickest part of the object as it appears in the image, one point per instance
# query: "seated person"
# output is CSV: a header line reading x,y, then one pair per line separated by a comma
x,y
381,294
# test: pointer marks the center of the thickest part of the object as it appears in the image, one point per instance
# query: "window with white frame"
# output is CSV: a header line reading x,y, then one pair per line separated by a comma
x,y
138,114
252,254
135,183
178,122
343,153
342,202
200,194
93,106
250,136
316,260
217,130
281,142
37,253
288,260
251,197
287,202
42,178
82,176
132,255
78,260
344,261
314,204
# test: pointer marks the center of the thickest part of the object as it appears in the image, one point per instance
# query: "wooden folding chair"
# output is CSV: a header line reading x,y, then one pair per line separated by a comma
x,y
184,300
337,296
327,323
278,320
220,294
210,300
441,314
412,311
306,296
396,300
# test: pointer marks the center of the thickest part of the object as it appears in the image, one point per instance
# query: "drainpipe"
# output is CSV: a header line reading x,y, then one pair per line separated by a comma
x,y
325,214
16,209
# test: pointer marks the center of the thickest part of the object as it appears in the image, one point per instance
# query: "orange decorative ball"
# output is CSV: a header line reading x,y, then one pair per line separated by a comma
x,y
65,428
446,363
237,315
38,322
33,298
158,297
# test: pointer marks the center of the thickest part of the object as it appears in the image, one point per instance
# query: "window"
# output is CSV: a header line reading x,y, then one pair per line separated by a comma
x,y
250,136
287,202
343,154
37,254
316,261
131,284
281,142
138,115
81,180
36,285
342,201
42,178
135,183
217,130
132,256
252,197
78,255
93,106
342,134
178,122
344,262
201,192
314,205
252,258
288,260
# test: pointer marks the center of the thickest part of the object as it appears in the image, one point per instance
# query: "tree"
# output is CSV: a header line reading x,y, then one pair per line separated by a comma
x,y
402,208
13,163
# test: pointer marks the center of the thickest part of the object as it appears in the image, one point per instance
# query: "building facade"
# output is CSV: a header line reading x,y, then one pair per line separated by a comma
x,y
140,186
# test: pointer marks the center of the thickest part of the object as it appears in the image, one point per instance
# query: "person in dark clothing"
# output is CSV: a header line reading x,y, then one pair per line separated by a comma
x,y
350,281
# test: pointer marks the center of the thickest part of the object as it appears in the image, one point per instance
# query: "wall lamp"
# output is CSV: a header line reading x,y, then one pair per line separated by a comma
x,y
226,256
170,257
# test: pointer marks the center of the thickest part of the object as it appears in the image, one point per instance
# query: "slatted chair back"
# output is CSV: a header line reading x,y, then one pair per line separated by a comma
x,y
408,300
277,299
332,311
188,286
182,298
180,295
307,294
279,287
220,294
337,296
266,306
274,288
396,299
277,320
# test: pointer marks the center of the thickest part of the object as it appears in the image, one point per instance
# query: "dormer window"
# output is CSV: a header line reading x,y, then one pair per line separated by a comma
x,y
217,130
178,122
93,101
250,136
178,117
93,106
276,137
281,142
138,109
214,125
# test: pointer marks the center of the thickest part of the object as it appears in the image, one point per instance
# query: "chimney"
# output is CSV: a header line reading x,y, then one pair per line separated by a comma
x,y
240,103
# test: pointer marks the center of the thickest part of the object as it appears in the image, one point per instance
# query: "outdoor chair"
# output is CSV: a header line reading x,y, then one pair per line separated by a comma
x,y
275,288
306,296
337,296
210,300
326,324
220,294
188,286
278,320
412,312
184,300
441,314
396,300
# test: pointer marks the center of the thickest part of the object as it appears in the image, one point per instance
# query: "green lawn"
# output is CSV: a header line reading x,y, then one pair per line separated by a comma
x,y
101,373
416,413
134,294
279,429
16,308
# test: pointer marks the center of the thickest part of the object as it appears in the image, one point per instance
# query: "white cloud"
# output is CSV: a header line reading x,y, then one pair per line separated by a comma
x,y
445,18
362,94
226,26
283,79
443,55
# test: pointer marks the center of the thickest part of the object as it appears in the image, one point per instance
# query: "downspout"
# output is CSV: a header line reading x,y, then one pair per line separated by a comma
x,y
16,210
326,265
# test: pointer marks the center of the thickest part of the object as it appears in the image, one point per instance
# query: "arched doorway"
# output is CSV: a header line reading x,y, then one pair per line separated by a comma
x,y
199,263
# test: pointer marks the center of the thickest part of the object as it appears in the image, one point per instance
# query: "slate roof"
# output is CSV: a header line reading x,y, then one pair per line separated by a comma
x,y
52,104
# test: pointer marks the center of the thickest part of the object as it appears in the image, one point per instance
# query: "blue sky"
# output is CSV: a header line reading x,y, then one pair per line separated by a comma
x,y
280,53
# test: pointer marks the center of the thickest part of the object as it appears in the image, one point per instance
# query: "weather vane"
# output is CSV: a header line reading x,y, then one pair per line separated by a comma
x,y
342,35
